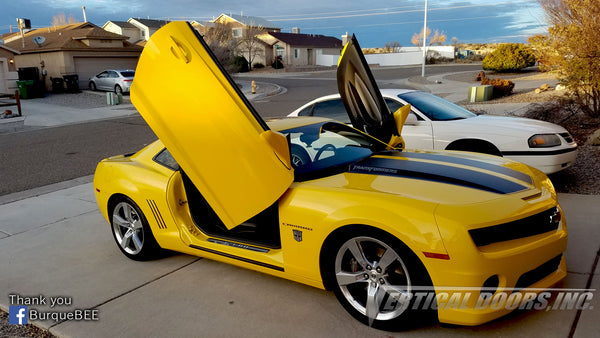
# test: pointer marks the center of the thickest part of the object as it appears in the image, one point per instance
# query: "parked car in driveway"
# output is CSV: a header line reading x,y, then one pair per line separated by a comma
x,y
435,123
117,80
324,204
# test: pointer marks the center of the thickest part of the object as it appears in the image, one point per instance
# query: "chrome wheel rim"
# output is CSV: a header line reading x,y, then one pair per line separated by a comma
x,y
128,229
373,278
118,90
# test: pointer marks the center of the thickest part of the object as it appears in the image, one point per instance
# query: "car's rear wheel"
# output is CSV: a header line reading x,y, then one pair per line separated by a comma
x,y
118,90
131,231
375,276
92,86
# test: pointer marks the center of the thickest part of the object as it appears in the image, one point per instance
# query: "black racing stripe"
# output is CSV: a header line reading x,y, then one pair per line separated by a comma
x,y
436,172
472,163
538,153
239,258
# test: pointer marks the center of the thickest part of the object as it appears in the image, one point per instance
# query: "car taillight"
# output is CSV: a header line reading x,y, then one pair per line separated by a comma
x,y
128,80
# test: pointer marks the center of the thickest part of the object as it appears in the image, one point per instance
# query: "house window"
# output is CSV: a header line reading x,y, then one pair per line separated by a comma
x,y
236,32
296,53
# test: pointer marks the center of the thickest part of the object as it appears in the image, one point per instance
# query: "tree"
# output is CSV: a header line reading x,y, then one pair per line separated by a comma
x,y
574,37
391,47
60,19
219,40
437,39
248,44
509,57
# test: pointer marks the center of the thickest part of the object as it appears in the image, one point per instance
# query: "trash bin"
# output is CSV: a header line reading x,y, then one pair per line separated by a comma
x,y
72,83
58,85
26,88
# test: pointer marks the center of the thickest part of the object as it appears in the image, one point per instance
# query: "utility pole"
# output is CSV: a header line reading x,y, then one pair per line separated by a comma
x,y
424,41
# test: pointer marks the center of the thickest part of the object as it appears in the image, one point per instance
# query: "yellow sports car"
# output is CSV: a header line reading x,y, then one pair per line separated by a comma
x,y
395,234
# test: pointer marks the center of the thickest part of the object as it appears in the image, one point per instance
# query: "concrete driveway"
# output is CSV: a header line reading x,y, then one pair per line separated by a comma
x,y
56,244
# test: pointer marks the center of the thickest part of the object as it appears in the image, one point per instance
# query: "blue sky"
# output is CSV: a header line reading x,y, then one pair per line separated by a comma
x,y
382,21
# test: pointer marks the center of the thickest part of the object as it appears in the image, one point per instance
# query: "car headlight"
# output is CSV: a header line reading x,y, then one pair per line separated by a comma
x,y
544,141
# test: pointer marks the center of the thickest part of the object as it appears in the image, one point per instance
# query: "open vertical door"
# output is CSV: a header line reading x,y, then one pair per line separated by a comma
x,y
239,165
363,100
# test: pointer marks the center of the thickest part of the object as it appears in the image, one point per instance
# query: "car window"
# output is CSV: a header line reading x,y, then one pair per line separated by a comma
x,y
113,74
102,75
306,111
392,104
333,109
165,158
327,148
127,74
436,108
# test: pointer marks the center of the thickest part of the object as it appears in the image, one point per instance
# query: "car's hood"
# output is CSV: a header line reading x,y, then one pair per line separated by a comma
x,y
500,124
445,177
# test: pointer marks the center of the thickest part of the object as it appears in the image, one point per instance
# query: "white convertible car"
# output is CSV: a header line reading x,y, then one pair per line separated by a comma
x,y
435,123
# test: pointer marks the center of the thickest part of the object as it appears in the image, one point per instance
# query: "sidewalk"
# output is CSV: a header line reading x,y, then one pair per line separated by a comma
x,y
58,244
39,113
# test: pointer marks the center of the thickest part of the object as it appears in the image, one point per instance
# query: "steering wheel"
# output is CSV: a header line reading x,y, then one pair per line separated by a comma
x,y
299,156
328,146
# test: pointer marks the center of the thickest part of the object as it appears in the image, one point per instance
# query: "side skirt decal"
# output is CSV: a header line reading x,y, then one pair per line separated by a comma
x,y
239,258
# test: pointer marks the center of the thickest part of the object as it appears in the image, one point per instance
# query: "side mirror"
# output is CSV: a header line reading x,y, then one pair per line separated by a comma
x,y
411,120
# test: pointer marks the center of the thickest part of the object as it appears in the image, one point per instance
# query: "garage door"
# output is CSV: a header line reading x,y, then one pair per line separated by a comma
x,y
87,67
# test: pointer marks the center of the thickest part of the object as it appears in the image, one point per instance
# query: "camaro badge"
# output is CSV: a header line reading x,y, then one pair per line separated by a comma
x,y
297,235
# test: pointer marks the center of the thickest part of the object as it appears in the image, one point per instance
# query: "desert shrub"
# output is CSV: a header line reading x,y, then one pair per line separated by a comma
x,y
240,64
509,57
258,65
501,87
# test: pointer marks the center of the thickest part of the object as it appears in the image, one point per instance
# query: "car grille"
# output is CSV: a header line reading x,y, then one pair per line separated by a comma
x,y
568,138
529,226
539,273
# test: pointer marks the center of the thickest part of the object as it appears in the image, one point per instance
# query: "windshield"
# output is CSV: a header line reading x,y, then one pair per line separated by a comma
x,y
327,148
436,108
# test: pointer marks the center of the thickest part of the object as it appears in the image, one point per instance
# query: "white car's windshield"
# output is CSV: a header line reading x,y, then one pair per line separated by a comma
x,y
436,108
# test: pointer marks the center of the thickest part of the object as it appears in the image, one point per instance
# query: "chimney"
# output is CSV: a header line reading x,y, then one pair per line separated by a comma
x,y
84,17
345,39
296,30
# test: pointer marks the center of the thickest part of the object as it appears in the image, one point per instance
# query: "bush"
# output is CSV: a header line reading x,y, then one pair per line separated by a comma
x,y
277,64
240,64
509,57
258,65
501,87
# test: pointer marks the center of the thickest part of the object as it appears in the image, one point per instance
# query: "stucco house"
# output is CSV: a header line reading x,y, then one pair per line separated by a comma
x,y
135,29
8,70
296,49
83,49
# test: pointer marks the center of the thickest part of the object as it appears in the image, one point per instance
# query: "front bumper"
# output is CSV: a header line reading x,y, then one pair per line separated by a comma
x,y
547,161
525,265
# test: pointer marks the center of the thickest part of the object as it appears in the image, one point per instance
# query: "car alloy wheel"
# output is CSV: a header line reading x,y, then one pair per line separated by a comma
x,y
131,231
118,90
374,276
92,86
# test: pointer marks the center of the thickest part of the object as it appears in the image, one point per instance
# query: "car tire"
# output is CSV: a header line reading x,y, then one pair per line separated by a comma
x,y
118,90
377,288
92,86
132,232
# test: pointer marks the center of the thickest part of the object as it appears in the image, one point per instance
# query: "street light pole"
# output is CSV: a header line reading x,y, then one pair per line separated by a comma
x,y
424,41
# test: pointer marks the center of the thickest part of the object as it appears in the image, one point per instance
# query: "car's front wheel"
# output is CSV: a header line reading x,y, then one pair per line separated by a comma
x,y
92,86
375,277
131,231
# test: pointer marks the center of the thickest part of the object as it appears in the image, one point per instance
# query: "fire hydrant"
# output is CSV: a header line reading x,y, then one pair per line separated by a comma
x,y
253,87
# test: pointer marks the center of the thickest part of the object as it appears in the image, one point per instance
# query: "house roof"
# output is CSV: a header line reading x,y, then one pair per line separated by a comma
x,y
249,20
151,23
122,24
307,40
67,37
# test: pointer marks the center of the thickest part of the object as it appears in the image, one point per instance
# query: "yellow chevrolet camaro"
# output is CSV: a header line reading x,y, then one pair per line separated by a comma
x,y
396,234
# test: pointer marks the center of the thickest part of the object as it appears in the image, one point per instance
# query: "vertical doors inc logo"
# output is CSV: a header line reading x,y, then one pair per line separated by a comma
x,y
17,314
